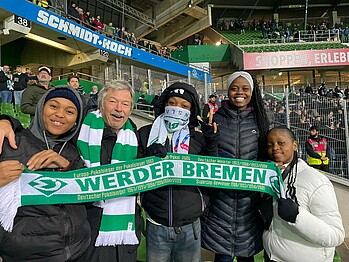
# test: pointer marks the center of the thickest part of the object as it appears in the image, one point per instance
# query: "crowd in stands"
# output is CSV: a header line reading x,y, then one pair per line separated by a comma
x,y
13,83
321,107
271,29
118,33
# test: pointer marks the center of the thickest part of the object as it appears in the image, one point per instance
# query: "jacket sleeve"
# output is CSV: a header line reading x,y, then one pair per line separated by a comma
x,y
3,77
16,125
205,112
328,151
27,105
310,151
142,136
321,223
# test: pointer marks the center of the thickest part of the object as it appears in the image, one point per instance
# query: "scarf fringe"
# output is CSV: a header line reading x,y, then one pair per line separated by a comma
x,y
116,238
10,202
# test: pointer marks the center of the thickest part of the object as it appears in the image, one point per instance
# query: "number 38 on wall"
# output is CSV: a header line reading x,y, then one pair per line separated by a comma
x,y
22,21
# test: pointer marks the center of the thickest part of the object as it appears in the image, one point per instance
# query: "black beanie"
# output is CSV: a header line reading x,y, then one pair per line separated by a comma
x,y
182,93
64,92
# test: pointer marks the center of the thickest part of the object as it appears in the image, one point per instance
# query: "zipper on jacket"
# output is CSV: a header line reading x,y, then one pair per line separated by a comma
x,y
170,207
238,137
66,223
203,204
170,193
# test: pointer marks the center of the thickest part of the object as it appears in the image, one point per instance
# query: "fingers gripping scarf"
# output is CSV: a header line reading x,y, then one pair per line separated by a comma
x,y
118,219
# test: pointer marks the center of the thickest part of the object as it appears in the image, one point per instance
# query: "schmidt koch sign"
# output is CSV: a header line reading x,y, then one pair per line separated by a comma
x,y
292,59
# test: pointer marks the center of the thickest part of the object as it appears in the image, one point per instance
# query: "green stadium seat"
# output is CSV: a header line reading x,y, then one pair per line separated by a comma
x,y
7,109
25,121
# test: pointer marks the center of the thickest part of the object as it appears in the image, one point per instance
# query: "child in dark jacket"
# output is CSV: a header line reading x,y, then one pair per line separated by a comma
x,y
45,232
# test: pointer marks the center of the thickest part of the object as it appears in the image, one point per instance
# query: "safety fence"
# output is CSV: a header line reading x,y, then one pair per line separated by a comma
x,y
300,111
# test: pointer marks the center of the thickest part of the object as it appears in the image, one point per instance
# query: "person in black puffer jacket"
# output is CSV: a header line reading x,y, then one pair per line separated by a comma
x,y
231,226
50,233
173,224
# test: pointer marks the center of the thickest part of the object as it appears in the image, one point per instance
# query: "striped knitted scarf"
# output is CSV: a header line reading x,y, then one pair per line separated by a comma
x,y
118,219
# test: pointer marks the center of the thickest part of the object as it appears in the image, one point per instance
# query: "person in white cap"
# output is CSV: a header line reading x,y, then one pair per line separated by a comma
x,y
232,227
33,93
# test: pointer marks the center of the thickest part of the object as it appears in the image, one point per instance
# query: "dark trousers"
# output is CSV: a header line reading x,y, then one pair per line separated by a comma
x,y
226,258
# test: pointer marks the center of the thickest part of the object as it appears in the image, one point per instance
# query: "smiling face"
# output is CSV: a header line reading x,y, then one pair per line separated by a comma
x,y
117,108
240,93
59,116
281,146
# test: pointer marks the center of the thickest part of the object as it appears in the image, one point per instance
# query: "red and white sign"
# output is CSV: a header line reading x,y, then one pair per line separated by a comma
x,y
292,59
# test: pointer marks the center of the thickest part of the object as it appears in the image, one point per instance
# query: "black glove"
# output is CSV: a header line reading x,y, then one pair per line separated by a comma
x,y
156,150
288,209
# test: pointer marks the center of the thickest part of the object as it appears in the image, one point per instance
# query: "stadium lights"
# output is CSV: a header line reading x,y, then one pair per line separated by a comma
x,y
51,43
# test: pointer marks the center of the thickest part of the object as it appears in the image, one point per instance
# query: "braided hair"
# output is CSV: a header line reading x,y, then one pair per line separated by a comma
x,y
261,119
291,170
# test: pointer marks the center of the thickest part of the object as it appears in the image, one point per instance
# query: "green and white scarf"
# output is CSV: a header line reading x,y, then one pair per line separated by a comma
x,y
118,219
174,120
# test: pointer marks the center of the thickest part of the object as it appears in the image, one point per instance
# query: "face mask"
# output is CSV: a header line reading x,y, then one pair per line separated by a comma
x,y
175,118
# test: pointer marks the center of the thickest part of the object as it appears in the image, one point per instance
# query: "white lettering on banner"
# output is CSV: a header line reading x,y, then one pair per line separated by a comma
x,y
280,60
328,58
80,32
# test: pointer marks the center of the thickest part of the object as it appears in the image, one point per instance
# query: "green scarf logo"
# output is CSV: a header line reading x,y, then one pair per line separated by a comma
x,y
47,185
275,184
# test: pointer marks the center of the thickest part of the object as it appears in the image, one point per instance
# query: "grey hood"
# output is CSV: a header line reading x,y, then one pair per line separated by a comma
x,y
37,126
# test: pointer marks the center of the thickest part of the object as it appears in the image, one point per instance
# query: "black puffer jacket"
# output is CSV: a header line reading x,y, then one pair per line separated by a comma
x,y
231,225
47,233
176,205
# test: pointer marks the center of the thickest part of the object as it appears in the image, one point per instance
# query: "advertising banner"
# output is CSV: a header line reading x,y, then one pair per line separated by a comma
x,y
296,59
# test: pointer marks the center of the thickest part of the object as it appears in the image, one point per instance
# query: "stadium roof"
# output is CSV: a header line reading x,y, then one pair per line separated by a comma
x,y
274,4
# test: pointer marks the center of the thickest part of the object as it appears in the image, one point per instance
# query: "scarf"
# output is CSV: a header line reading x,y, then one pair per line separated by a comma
x,y
174,120
118,219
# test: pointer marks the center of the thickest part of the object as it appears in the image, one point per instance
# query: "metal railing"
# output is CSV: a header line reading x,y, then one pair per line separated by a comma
x,y
300,36
301,111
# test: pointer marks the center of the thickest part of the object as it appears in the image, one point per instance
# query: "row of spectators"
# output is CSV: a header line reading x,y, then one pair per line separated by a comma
x,y
308,110
118,33
275,30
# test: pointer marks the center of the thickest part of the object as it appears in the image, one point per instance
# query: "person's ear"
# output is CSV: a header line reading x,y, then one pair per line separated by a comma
x,y
295,145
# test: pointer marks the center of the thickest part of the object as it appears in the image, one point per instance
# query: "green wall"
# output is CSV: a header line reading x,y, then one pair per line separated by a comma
x,y
203,53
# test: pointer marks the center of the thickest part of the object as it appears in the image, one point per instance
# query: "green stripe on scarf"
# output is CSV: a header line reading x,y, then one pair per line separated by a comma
x,y
118,219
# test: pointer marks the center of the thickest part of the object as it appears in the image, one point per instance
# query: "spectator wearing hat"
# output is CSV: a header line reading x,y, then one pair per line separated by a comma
x,y
318,151
232,226
34,92
45,232
210,108
173,212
